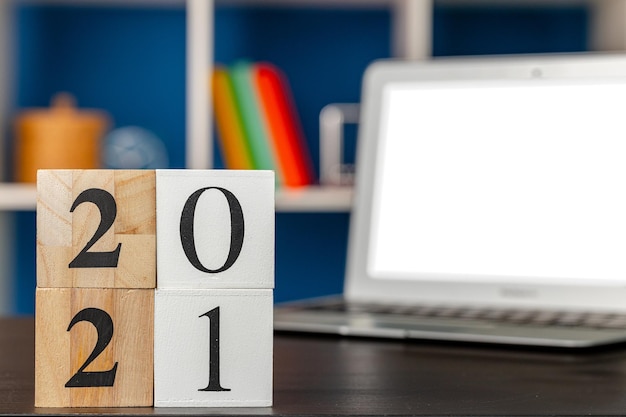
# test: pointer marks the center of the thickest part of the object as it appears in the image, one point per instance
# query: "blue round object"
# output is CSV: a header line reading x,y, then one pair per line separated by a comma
x,y
134,147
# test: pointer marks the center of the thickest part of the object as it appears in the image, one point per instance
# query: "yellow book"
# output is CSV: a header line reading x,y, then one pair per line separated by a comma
x,y
231,137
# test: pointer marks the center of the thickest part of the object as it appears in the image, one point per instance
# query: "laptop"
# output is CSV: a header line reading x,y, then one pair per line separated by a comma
x,y
490,205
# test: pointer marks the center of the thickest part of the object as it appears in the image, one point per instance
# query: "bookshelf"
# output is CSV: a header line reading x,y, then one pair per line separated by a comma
x,y
411,40
408,16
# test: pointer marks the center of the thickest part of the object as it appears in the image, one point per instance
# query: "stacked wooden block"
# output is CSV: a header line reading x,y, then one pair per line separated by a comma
x,y
154,288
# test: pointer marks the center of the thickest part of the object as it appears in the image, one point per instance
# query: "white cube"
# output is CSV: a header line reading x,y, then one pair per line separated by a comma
x,y
215,229
213,348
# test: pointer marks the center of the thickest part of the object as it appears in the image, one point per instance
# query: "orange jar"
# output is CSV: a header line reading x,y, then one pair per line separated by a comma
x,y
57,138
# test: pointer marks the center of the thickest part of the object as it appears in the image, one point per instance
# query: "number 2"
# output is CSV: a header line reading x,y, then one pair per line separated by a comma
x,y
104,325
108,211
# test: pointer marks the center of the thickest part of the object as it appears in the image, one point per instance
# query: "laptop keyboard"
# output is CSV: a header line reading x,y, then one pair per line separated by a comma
x,y
519,317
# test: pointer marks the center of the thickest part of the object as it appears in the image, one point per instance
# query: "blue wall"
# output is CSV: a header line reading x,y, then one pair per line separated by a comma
x,y
131,62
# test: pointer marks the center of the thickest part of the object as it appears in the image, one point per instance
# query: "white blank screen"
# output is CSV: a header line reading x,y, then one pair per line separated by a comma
x,y
524,182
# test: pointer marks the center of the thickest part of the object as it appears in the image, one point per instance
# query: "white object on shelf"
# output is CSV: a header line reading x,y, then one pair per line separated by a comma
x,y
333,117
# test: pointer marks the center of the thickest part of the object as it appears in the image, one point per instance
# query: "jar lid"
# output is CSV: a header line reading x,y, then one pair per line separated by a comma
x,y
63,111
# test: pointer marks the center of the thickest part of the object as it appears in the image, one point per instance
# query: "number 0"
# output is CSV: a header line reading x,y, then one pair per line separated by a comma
x,y
187,229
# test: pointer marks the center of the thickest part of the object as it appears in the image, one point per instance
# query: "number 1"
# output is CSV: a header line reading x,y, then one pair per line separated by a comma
x,y
214,351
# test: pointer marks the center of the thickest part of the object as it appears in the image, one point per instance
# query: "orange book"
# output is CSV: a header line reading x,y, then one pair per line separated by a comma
x,y
282,118
231,137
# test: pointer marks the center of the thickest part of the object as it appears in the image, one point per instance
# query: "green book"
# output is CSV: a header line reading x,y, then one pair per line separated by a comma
x,y
254,126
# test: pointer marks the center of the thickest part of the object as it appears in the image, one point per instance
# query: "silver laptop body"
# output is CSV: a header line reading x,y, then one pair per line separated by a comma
x,y
490,204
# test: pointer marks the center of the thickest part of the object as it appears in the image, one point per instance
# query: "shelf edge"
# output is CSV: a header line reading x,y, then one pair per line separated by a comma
x,y
23,197
18,197
315,200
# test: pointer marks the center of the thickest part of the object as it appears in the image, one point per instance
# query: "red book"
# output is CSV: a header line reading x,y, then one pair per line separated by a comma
x,y
282,119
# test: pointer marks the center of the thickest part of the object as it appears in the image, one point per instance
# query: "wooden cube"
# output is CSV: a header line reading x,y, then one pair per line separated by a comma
x,y
215,229
94,347
96,228
213,348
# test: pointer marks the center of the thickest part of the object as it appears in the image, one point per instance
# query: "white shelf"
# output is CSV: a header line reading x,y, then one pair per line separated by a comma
x,y
23,197
314,199
18,197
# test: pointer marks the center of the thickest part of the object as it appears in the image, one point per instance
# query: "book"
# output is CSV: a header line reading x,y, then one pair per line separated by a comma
x,y
231,137
280,114
254,125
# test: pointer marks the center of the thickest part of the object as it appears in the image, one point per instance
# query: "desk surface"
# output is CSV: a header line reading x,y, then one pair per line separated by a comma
x,y
337,377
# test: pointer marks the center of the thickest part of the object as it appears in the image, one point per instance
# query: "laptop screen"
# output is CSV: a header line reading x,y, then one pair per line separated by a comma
x,y
518,181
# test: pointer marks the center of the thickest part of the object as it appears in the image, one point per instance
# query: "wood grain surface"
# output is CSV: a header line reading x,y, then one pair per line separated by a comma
x,y
60,351
62,233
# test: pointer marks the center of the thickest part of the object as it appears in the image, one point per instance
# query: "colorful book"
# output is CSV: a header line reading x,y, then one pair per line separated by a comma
x,y
254,126
281,116
231,137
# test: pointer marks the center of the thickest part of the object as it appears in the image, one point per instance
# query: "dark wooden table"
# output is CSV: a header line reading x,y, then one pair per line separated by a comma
x,y
328,376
